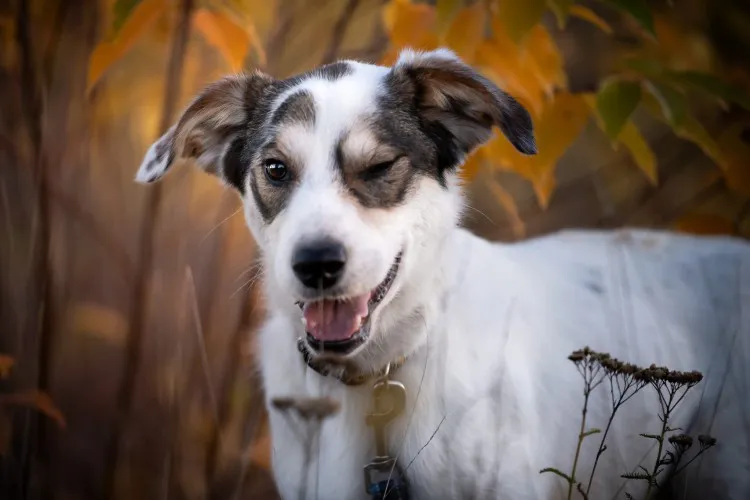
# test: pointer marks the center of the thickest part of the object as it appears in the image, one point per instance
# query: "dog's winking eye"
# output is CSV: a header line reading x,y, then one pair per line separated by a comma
x,y
378,169
275,170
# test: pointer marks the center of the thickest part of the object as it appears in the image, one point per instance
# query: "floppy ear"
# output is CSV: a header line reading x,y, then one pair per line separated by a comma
x,y
207,128
452,97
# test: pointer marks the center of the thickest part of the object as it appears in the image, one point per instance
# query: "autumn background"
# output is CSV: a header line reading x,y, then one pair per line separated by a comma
x,y
127,312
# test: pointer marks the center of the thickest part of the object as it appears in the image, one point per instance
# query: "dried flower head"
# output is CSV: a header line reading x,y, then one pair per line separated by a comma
x,y
681,441
706,441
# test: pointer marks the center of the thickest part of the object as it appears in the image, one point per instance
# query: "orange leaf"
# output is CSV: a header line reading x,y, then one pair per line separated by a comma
x,y
239,14
467,31
219,30
542,57
36,399
109,52
530,71
472,165
6,365
509,204
705,225
589,15
410,25
501,63
560,123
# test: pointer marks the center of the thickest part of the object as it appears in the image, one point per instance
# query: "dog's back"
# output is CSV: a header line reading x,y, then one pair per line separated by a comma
x,y
644,297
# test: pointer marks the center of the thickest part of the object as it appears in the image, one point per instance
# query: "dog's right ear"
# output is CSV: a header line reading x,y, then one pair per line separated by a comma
x,y
207,128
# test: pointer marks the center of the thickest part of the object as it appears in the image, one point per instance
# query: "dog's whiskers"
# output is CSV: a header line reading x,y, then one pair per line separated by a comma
x,y
219,224
249,283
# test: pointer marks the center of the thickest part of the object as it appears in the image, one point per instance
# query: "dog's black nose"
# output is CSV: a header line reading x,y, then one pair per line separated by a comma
x,y
319,264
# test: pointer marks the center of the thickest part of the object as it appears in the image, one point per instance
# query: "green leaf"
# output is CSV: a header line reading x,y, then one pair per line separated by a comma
x,y
651,68
561,9
639,11
615,102
121,11
520,16
591,432
710,85
651,436
673,103
559,473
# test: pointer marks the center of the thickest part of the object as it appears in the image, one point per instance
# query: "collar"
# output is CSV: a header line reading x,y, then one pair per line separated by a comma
x,y
343,370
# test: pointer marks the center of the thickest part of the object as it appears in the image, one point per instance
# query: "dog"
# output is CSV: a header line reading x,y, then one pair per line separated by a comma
x,y
349,177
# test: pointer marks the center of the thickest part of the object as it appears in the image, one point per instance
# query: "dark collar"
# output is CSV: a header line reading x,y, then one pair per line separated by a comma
x,y
345,372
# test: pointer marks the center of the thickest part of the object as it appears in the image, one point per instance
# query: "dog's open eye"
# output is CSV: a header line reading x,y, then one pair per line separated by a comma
x,y
378,169
275,170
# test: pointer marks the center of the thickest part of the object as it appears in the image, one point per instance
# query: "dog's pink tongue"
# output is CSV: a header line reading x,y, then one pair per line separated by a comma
x,y
331,320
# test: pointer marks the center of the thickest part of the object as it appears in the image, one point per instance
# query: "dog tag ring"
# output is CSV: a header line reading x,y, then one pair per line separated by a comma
x,y
390,401
383,478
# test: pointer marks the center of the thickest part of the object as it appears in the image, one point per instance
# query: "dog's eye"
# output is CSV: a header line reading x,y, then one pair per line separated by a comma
x,y
379,169
275,170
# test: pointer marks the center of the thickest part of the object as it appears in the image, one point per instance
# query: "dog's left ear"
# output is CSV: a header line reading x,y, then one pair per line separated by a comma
x,y
207,128
450,94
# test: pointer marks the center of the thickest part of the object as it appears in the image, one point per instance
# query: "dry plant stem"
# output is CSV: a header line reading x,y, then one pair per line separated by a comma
x,y
624,396
581,437
668,404
657,462
41,338
339,30
139,297
590,371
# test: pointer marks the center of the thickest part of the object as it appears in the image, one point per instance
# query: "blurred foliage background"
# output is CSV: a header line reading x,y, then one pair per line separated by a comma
x,y
127,312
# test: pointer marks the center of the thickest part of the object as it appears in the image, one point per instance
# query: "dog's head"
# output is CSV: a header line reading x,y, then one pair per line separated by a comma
x,y
348,177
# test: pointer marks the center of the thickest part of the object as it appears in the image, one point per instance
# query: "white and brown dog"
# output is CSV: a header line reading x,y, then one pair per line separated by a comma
x,y
348,175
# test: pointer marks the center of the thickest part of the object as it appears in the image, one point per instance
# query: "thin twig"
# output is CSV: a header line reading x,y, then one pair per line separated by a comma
x,y
139,296
339,30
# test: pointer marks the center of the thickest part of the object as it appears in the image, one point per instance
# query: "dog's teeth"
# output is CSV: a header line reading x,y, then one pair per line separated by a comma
x,y
303,321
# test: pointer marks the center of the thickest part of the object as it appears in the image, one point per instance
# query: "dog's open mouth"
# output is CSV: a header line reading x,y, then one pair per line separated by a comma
x,y
341,325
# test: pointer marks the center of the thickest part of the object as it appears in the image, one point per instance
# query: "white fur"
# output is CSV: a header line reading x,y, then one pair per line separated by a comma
x,y
490,340
492,398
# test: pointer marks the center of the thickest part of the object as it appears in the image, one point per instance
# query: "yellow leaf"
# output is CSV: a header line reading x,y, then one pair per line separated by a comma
x,y
98,321
509,205
559,124
589,15
542,57
519,16
467,31
38,400
410,25
642,154
224,34
446,10
109,52
705,225
6,365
